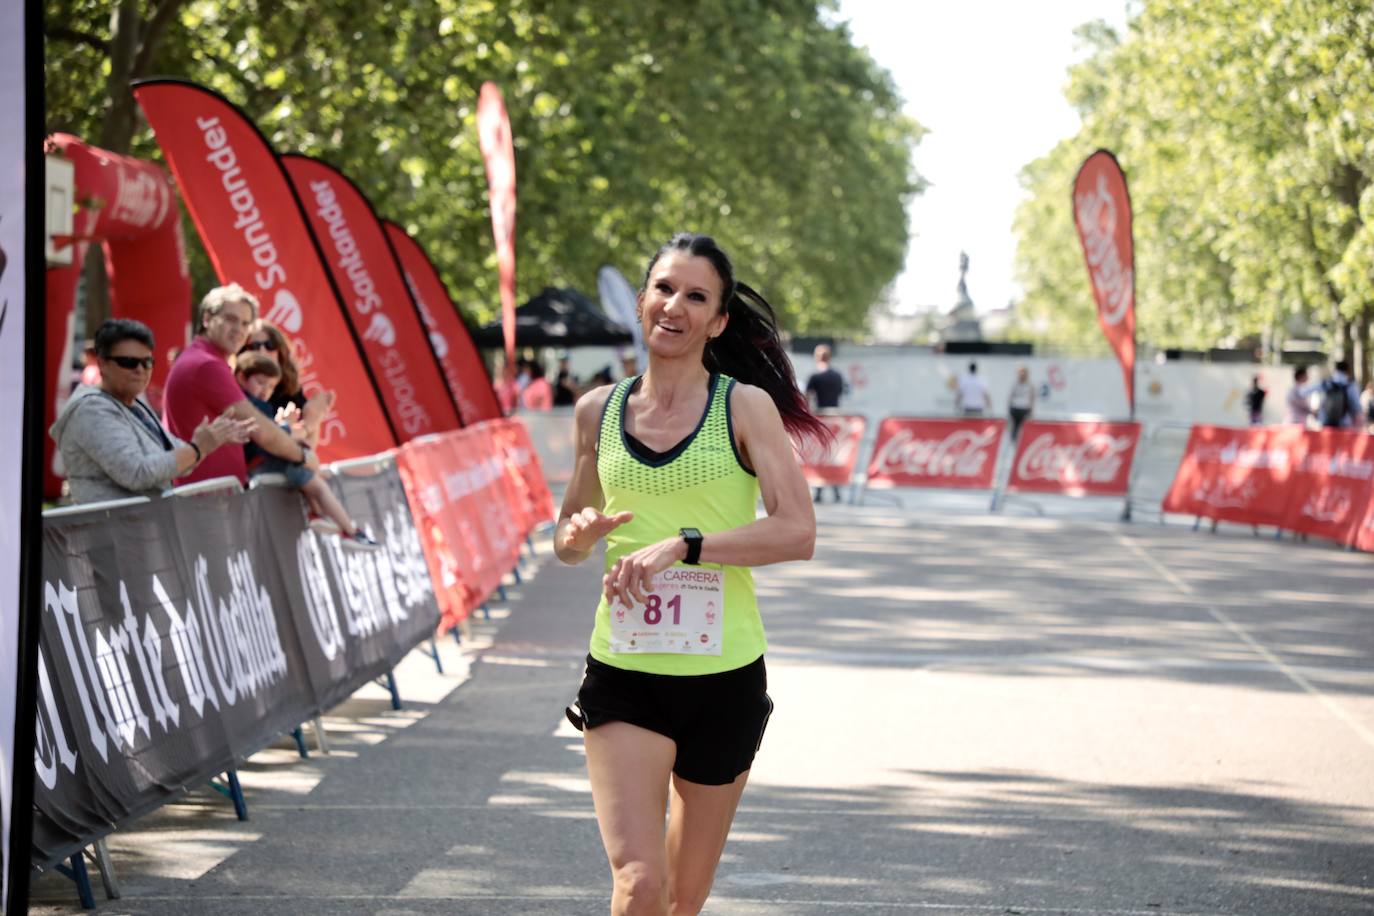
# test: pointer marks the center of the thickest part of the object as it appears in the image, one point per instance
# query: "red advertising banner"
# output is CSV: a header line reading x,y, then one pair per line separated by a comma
x,y
462,365
1364,532
1236,474
831,464
256,234
1075,459
1102,213
1331,484
514,439
470,511
498,152
914,452
378,303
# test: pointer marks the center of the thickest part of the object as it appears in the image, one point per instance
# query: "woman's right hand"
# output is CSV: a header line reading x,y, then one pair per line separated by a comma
x,y
590,525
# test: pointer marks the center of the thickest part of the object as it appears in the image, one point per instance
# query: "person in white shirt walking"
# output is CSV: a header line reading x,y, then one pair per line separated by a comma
x,y
971,396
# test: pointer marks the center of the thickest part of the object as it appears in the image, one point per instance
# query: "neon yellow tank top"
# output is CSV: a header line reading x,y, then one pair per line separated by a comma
x,y
701,485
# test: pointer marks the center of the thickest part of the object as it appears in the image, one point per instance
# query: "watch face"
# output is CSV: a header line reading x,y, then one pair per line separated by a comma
x,y
691,534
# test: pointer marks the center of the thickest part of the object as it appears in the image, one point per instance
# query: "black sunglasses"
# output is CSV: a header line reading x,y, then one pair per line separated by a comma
x,y
268,344
132,362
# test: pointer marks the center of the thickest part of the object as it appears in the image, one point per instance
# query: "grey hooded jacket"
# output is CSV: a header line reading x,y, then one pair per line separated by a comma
x,y
107,452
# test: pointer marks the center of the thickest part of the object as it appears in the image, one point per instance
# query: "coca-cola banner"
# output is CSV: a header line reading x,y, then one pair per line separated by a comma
x,y
256,234
832,463
1329,487
1075,459
463,368
180,635
498,152
915,452
1102,213
1236,474
376,297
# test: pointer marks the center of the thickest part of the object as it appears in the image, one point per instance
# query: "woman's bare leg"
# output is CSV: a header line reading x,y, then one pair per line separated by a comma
x,y
698,826
629,768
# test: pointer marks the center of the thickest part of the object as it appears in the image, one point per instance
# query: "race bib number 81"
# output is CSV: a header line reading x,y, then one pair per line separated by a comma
x,y
684,614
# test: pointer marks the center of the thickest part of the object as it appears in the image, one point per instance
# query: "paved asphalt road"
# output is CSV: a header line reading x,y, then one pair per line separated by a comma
x,y
975,715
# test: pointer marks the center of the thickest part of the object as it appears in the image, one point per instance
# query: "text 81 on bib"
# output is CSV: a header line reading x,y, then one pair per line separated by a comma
x,y
684,614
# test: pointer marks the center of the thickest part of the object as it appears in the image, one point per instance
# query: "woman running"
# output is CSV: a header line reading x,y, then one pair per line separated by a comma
x,y
669,469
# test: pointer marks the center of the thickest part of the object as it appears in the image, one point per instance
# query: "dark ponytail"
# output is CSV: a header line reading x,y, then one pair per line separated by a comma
x,y
749,348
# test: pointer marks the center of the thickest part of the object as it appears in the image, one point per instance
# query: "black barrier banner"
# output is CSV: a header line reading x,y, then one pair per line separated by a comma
x,y
181,635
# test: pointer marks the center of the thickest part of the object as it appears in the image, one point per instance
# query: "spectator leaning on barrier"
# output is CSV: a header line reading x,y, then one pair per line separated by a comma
x,y
1340,398
1299,401
111,442
258,375
201,385
290,406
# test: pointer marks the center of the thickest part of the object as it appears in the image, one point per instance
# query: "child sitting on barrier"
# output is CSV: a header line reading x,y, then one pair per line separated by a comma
x,y
257,375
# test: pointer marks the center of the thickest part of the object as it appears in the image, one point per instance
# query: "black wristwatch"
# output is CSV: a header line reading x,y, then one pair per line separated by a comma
x,y
693,539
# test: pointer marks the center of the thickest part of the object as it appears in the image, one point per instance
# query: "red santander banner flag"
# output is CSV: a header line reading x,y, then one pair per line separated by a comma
x,y
376,299
831,464
462,365
1075,459
498,152
1102,213
913,452
256,235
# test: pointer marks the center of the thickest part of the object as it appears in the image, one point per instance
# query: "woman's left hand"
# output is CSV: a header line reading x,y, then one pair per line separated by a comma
x,y
630,579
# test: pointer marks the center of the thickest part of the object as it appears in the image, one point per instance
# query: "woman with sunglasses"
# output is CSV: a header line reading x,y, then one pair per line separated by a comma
x,y
112,443
670,467
304,415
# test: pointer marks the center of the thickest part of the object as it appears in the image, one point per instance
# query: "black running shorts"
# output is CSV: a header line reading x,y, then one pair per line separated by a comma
x,y
716,720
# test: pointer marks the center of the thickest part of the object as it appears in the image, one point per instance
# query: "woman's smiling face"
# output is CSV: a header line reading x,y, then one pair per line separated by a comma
x,y
680,306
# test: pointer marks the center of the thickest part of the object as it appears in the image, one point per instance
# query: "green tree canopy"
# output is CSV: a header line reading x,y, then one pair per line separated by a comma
x,y
1246,128
759,123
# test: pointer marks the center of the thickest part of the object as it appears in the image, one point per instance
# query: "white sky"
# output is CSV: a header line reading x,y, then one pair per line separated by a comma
x,y
986,79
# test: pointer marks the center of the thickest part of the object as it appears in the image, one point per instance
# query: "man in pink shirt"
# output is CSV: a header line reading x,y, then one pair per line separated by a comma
x,y
201,385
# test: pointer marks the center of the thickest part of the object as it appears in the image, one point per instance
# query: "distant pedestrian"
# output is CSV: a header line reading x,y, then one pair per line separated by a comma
x,y
1021,401
1367,399
1298,404
971,396
1340,399
824,388
1254,401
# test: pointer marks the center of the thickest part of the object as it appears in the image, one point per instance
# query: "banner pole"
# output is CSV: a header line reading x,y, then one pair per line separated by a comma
x,y
18,844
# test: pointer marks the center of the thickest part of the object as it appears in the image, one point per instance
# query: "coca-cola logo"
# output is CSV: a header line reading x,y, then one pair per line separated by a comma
x,y
1113,281
962,453
1097,459
840,452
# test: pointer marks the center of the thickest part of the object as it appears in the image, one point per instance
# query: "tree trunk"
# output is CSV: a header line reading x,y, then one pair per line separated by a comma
x,y
1363,367
116,135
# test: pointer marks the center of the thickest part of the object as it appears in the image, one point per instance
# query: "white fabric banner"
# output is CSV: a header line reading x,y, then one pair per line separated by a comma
x,y
12,302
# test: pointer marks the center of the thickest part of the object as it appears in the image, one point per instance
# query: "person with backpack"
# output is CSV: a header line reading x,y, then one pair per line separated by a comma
x,y
1340,399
